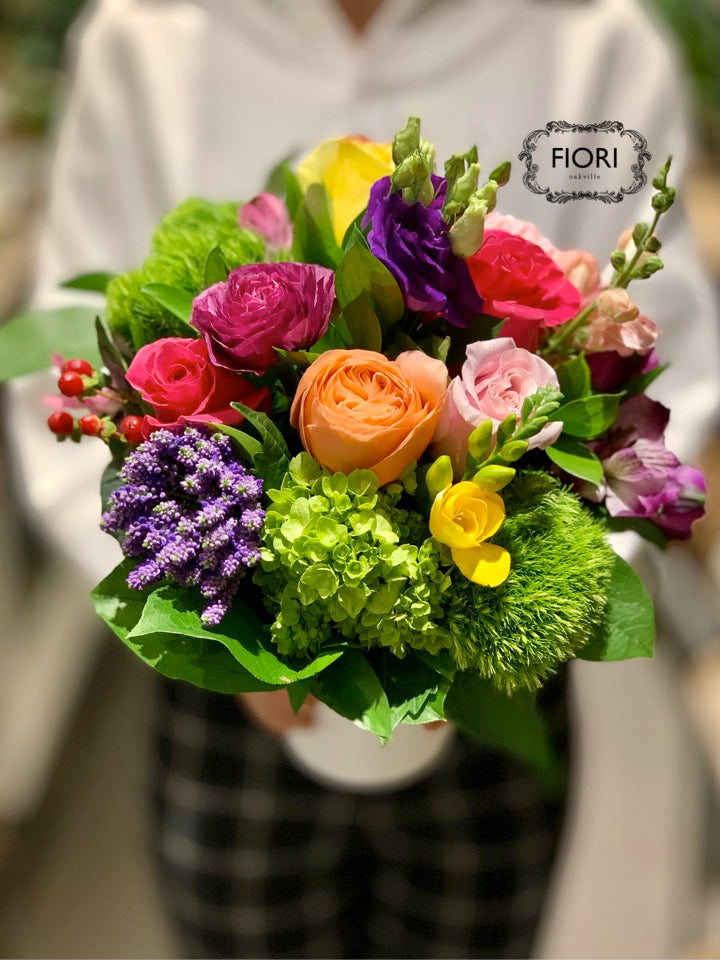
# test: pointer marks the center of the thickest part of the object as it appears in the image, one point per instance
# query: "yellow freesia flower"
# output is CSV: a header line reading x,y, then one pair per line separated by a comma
x,y
464,516
348,167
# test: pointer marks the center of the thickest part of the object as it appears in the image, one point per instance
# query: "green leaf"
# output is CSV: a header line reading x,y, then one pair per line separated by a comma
x,y
441,662
293,191
247,444
94,282
354,233
351,687
216,270
205,663
112,357
502,722
176,300
297,693
574,458
574,378
644,528
176,611
642,381
276,180
409,685
628,629
363,324
313,237
360,273
589,417
272,463
28,341
109,482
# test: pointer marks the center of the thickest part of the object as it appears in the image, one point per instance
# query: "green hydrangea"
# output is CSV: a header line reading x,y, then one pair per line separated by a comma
x,y
341,559
518,633
180,247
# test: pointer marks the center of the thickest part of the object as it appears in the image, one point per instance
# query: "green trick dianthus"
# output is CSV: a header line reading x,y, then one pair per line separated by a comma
x,y
180,247
518,633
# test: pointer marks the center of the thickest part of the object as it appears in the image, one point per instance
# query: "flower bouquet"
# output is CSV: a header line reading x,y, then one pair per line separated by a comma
x,y
367,441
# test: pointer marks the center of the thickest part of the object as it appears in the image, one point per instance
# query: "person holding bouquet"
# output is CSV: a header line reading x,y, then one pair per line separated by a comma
x,y
255,857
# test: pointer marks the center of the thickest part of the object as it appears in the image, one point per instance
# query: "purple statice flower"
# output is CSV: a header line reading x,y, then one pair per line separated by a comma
x,y
190,513
643,479
413,242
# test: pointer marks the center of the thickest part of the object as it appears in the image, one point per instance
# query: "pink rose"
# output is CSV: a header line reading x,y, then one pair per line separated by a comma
x,y
267,215
579,267
176,377
618,325
494,381
262,306
522,284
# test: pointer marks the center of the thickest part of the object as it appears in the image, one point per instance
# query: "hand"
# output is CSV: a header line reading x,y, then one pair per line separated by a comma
x,y
272,712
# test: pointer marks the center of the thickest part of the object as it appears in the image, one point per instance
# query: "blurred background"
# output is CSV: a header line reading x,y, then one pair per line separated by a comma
x,y
75,880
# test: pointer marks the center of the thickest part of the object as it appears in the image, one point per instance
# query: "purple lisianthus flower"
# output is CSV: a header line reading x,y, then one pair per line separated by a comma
x,y
643,479
262,306
413,242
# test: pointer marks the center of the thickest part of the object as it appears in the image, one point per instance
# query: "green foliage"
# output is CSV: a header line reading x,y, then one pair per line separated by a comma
x,y
574,458
162,625
511,724
28,341
181,248
516,634
628,627
342,559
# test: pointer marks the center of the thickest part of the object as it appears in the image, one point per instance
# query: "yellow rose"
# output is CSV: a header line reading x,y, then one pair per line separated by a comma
x,y
348,166
463,516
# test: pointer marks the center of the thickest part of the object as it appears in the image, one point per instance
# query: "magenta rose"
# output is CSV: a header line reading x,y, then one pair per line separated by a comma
x,y
179,381
262,306
494,381
521,284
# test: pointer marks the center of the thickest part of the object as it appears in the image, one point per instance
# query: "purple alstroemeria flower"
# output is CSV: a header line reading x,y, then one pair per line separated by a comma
x,y
413,242
644,479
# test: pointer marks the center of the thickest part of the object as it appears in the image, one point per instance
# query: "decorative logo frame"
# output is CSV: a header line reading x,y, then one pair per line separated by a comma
x,y
532,168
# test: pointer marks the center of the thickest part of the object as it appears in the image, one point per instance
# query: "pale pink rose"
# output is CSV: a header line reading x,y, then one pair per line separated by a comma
x,y
619,326
520,228
494,381
581,269
267,215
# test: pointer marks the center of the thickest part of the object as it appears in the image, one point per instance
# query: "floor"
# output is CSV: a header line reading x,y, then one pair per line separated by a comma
x,y
77,881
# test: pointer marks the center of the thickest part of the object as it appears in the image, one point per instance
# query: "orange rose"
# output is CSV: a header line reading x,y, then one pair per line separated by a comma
x,y
356,409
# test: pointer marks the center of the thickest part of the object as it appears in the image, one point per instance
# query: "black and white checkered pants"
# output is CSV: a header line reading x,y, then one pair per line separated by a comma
x,y
256,860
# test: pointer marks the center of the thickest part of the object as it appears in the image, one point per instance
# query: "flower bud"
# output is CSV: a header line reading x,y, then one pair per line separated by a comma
x,y
493,477
501,174
406,141
439,476
480,439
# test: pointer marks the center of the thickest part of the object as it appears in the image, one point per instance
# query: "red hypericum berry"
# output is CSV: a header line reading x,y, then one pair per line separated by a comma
x,y
76,365
61,423
131,429
90,425
70,384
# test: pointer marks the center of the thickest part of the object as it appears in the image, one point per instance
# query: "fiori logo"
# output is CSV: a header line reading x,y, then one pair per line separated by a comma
x,y
584,157
597,161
